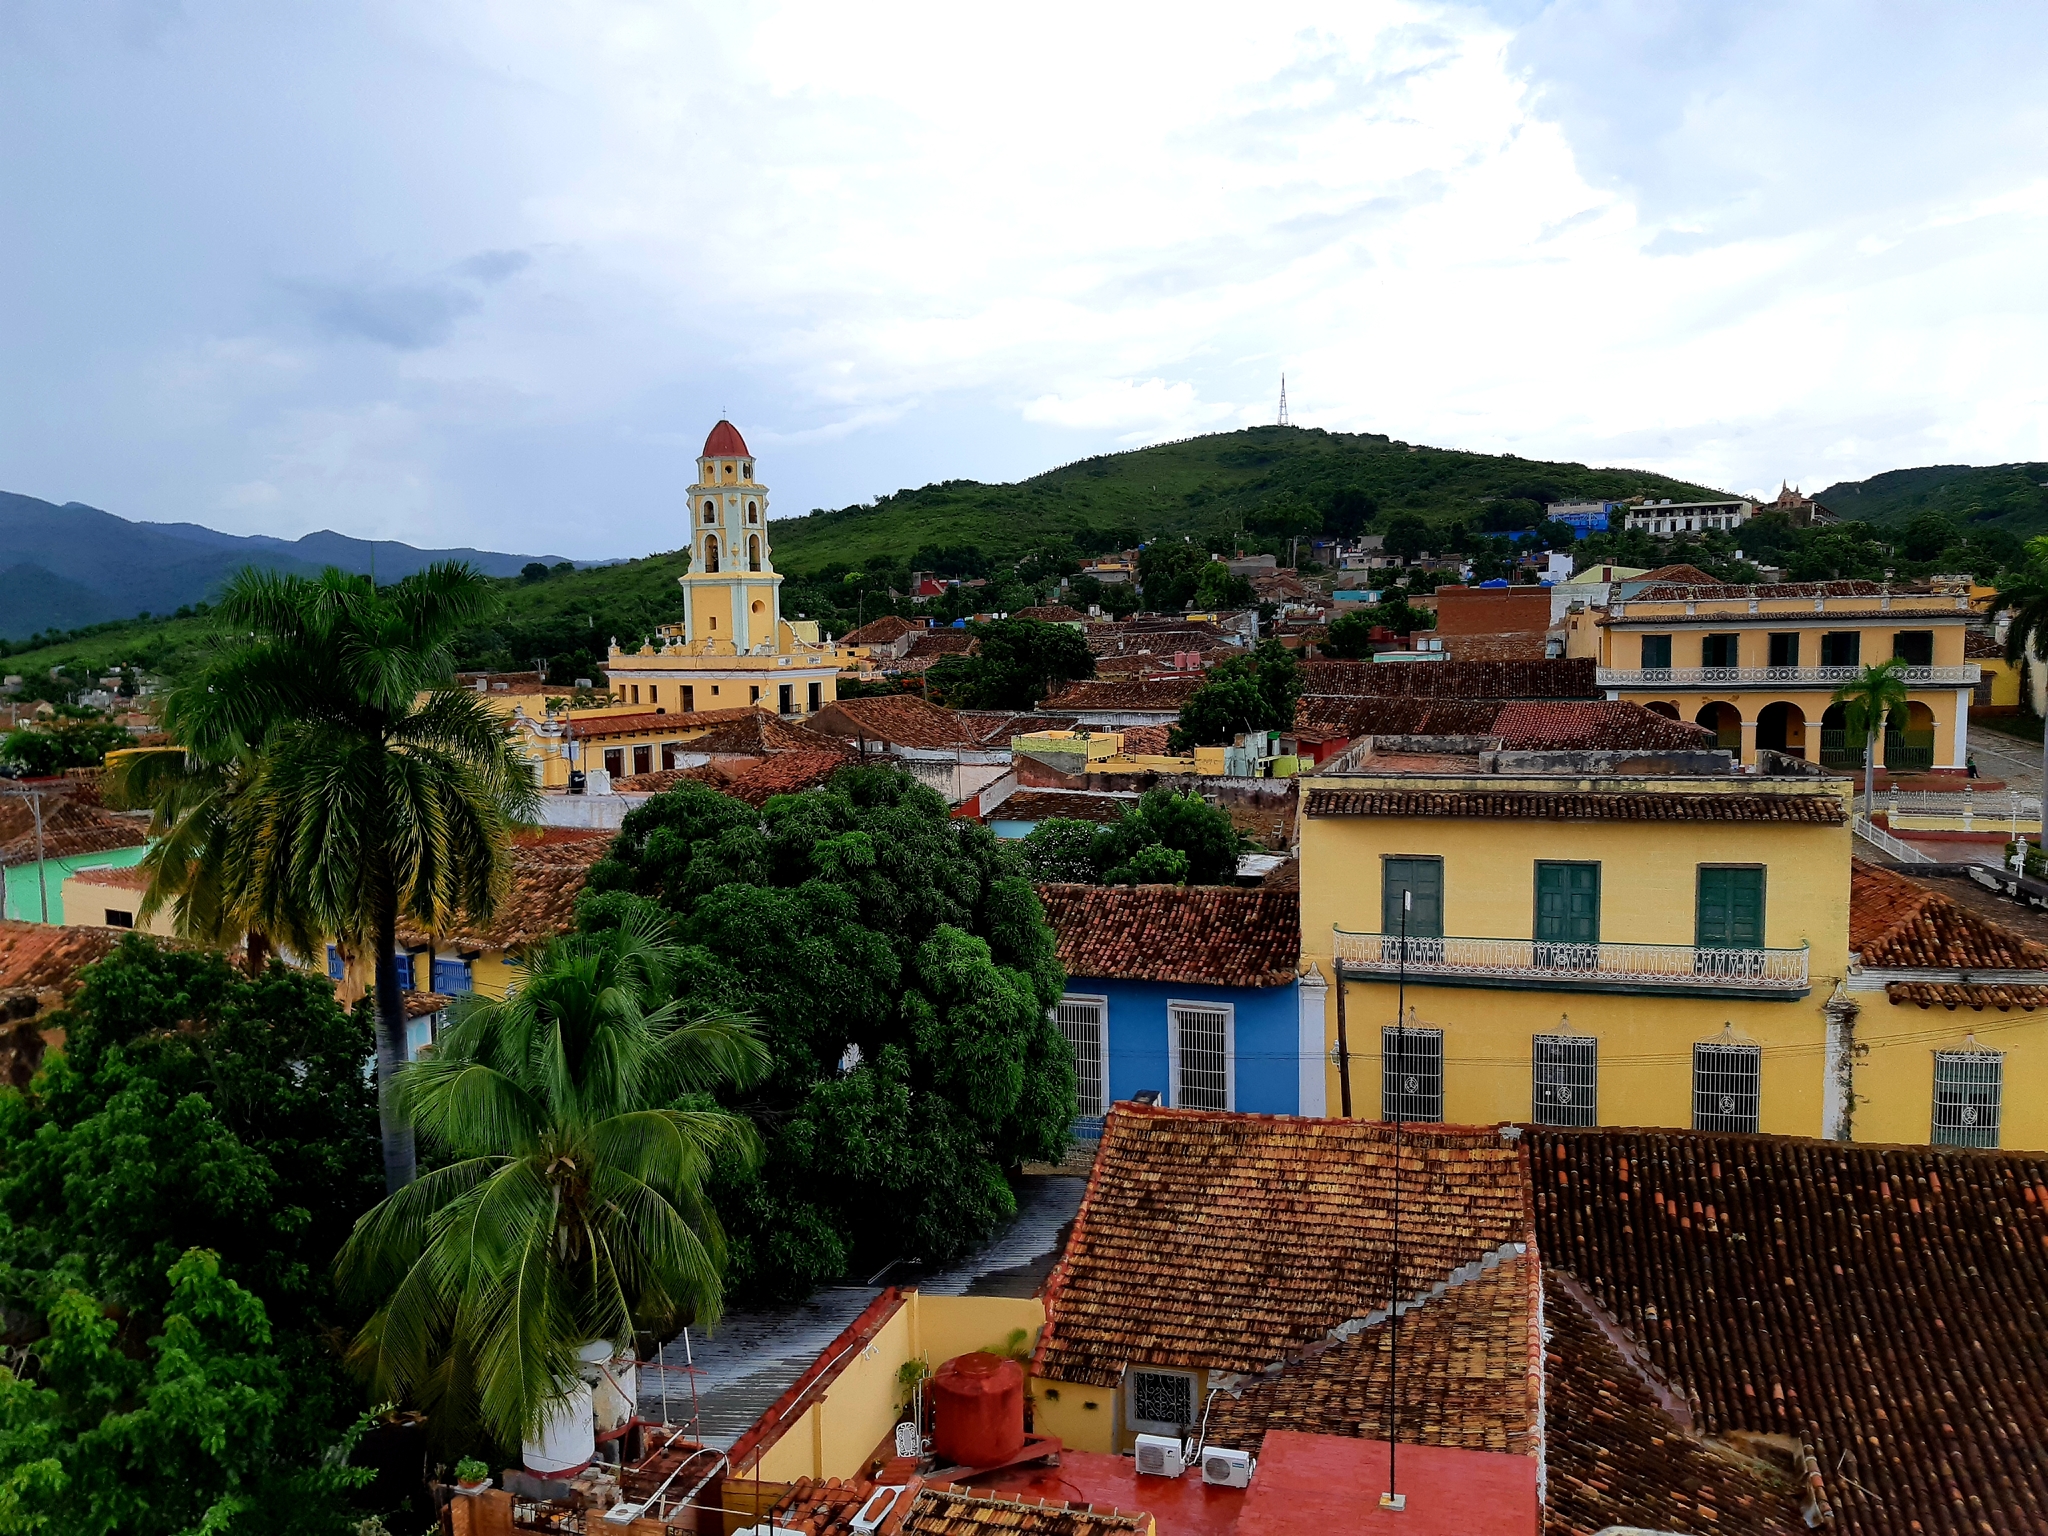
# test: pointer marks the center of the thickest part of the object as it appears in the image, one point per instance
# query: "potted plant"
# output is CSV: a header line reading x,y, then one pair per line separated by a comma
x,y
471,1476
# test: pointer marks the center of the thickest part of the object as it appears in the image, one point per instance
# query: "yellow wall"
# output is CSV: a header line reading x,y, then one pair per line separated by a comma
x,y
711,611
1894,1068
1812,705
1648,895
82,903
492,974
2005,680
1624,648
835,1435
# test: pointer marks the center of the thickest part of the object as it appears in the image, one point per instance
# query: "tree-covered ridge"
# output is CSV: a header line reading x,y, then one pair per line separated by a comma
x,y
2013,497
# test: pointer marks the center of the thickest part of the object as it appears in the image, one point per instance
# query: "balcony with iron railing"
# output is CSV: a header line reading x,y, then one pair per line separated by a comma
x,y
1688,970
1966,676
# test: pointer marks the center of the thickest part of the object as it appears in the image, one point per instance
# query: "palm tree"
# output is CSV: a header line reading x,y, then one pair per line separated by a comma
x,y
571,1209
2024,590
1876,693
335,782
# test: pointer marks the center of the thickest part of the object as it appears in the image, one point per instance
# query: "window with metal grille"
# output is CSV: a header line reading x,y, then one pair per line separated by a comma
x,y
1967,1088
1202,1058
1163,1399
1725,1091
1567,1080
1411,1073
1080,1021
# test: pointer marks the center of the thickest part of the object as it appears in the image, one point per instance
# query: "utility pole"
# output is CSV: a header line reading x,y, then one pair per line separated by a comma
x,y
32,791
1392,1498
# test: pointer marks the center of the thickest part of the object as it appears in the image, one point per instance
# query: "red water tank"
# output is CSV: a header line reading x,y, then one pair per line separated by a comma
x,y
978,1410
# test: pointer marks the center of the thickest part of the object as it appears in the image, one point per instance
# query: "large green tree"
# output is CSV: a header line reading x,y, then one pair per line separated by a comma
x,y
571,1205
1168,838
42,751
1243,693
1016,663
903,973
192,1109
375,789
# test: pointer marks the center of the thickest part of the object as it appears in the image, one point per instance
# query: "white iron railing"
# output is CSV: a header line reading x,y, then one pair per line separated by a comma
x,y
1682,965
1993,805
1778,677
1891,847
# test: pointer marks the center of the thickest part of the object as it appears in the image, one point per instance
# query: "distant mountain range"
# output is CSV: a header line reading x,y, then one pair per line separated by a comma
x,y
63,567
2013,496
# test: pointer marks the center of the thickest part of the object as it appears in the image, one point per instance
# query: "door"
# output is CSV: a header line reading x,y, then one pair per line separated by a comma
x,y
1730,921
1567,915
1423,881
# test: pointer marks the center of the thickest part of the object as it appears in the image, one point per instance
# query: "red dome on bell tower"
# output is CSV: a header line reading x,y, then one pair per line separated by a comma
x,y
725,442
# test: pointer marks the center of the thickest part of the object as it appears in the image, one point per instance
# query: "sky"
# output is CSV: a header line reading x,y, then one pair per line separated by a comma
x,y
484,272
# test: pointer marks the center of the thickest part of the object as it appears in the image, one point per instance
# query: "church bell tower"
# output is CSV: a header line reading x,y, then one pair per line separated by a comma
x,y
732,595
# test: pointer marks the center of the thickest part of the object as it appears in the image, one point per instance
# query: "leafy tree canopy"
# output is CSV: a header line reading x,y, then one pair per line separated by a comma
x,y
1168,572
44,751
1244,693
1167,838
1016,663
902,972
1217,588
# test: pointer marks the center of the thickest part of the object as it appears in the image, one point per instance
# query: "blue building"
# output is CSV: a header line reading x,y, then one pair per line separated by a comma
x,y
1583,517
1190,993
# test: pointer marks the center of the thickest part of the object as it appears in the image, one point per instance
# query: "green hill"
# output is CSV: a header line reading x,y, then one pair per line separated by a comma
x,y
1263,478
2013,497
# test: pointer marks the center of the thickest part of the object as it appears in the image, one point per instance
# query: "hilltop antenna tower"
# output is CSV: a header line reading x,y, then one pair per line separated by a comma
x,y
1283,401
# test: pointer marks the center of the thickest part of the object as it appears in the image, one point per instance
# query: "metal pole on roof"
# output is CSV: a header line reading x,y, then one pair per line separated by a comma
x,y
35,805
1392,1498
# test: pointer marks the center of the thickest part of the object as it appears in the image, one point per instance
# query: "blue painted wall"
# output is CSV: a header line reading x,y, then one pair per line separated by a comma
x,y
1266,1039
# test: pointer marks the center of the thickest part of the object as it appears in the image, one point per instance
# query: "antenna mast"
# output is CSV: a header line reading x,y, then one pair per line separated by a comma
x,y
1393,1498
1283,401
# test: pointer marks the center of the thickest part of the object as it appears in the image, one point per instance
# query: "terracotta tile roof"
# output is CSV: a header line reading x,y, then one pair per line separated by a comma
x,y
1684,583
1614,1456
419,1004
1502,680
131,878
1145,740
758,733
1166,694
1977,995
1507,645
596,729
1397,715
1214,935
934,643
1882,1303
1234,1242
1052,613
788,773
70,826
1896,923
1069,805
1470,1375
813,1508
1980,646
1595,727
883,631
897,719
1682,575
41,957
546,879
1569,805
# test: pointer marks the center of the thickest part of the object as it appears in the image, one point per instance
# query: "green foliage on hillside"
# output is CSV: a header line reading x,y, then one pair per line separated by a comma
x,y
2010,497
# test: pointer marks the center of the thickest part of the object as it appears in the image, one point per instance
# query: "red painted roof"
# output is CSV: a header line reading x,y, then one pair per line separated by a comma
x,y
725,441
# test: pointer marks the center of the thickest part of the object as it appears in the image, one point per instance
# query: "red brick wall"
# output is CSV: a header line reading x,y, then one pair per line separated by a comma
x,y
1491,610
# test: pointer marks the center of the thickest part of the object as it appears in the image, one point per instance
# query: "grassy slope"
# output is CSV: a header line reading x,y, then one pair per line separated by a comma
x,y
1199,486
2009,496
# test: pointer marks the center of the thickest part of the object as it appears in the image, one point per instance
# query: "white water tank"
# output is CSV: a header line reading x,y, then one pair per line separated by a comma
x,y
568,1436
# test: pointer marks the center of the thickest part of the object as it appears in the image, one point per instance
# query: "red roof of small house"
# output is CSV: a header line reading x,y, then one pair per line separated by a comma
x,y
880,631
897,719
1575,805
40,957
597,727
70,826
1575,726
1152,693
1899,924
725,442
540,904
1571,678
1211,935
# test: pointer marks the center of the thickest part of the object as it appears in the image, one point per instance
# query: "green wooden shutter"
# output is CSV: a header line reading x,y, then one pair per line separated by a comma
x,y
1568,903
1731,908
1424,877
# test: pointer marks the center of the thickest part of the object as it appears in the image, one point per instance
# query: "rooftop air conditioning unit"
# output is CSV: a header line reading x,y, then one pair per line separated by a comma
x,y
1161,1456
1226,1469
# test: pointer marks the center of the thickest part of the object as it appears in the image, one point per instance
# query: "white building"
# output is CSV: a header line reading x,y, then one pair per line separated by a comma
x,y
1669,517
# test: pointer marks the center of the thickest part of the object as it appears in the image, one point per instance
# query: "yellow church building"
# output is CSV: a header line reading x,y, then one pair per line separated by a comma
x,y
734,649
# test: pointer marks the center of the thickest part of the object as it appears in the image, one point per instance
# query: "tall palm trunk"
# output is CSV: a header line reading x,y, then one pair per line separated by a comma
x,y
399,1164
1869,774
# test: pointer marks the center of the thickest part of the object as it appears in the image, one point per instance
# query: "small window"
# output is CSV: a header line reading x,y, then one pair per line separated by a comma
x,y
452,976
1567,1080
754,557
710,512
1411,1073
811,698
785,700
615,762
1083,1021
643,759
1656,653
711,554
654,693
335,967
1915,647
636,693
1161,1400
689,699
1841,648
116,918
1967,1089
747,470
1423,880
1785,650
1201,1056
1719,650
1567,903
754,694
1725,1087
753,513
713,622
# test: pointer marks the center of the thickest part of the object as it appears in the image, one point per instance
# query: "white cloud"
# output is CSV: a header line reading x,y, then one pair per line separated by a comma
x,y
1139,410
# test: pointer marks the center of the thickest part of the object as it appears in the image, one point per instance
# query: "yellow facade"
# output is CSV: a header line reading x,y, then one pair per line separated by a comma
x,y
1645,1026
1893,1068
1762,670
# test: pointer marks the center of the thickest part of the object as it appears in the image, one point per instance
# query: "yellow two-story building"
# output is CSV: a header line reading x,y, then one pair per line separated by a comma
x,y
1758,665
1576,946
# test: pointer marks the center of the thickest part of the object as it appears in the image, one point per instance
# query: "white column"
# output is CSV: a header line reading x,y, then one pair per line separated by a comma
x,y
1962,757
1311,1049
739,616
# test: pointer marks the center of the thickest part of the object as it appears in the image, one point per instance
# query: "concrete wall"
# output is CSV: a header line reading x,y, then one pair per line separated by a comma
x,y
1265,1039
24,884
1893,1068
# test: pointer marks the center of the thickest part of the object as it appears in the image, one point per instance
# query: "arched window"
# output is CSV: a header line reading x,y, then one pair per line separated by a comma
x,y
710,511
753,513
711,552
753,551
747,470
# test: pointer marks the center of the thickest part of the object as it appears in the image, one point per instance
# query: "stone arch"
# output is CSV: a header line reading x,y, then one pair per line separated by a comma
x,y
710,511
1725,721
710,552
753,551
1668,710
753,512
1782,728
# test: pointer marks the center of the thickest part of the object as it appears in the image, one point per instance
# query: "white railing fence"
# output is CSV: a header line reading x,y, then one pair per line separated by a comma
x,y
1675,964
1891,847
1784,677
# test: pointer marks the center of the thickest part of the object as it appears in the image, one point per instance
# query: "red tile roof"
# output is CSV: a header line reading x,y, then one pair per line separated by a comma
x,y
883,631
41,957
1234,1242
1166,694
70,826
1212,935
1682,575
814,1508
1882,1303
1568,805
1508,645
1145,740
1611,727
1066,804
789,773
998,727
725,441
934,643
1684,583
1899,924
1053,613
1974,995
131,878
595,728
897,719
1979,646
759,734
1499,680
546,880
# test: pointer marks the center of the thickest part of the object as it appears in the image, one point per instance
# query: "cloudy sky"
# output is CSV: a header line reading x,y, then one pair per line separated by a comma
x,y
485,271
